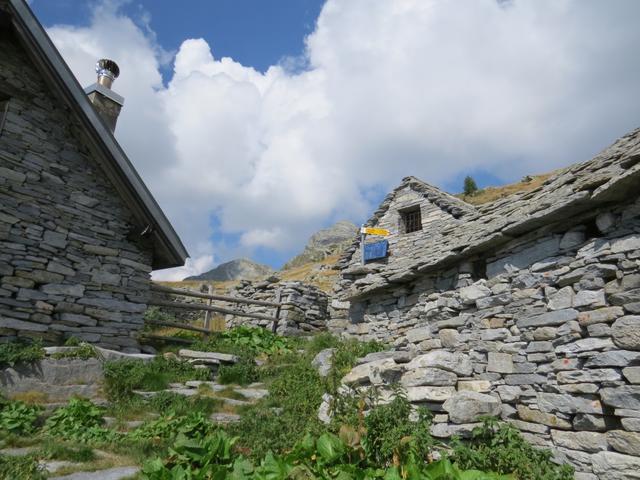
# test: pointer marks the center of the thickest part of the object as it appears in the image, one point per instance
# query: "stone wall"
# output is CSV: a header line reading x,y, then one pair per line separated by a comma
x,y
67,265
304,307
547,336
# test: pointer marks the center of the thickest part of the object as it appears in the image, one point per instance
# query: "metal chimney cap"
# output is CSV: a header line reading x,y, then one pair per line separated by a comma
x,y
108,68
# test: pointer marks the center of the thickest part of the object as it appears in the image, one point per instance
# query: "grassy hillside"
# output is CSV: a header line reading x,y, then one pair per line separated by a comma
x,y
490,194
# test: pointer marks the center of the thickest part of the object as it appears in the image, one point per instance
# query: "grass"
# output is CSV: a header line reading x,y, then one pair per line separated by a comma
x,y
319,274
491,194
32,397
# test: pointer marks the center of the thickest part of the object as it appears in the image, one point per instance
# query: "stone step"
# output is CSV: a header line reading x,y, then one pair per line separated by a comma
x,y
224,418
220,357
118,473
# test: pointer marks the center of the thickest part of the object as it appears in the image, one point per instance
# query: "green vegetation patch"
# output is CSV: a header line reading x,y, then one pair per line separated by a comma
x,y
79,420
19,468
20,351
500,447
18,418
122,377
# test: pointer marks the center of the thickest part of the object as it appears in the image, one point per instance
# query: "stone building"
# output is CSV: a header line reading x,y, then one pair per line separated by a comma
x,y
527,308
79,231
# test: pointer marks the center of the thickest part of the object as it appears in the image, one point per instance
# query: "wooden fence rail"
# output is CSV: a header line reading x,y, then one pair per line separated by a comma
x,y
223,298
208,308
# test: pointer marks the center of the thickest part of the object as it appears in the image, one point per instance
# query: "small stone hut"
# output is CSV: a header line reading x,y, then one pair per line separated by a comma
x,y
79,230
527,308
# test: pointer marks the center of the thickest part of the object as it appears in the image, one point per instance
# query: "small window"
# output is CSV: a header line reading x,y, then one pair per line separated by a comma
x,y
4,107
411,220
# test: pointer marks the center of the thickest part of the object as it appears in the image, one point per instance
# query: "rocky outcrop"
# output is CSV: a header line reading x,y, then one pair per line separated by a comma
x,y
324,243
239,269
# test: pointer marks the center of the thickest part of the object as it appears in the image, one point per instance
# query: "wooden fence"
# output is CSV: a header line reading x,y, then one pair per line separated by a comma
x,y
208,308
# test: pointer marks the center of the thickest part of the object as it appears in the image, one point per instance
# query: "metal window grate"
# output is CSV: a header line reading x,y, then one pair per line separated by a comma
x,y
412,220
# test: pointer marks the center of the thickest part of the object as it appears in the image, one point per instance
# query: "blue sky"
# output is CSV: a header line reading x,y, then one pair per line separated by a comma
x,y
257,33
255,123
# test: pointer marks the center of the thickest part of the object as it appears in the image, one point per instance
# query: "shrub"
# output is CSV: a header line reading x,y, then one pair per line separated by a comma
x,y
20,351
501,448
19,418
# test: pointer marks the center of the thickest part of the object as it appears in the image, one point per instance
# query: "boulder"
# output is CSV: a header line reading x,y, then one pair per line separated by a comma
x,y
323,361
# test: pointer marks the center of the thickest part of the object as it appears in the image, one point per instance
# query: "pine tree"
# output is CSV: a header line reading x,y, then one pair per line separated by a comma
x,y
470,187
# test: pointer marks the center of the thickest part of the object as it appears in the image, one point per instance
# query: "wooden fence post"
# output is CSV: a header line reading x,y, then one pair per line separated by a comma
x,y
207,313
277,315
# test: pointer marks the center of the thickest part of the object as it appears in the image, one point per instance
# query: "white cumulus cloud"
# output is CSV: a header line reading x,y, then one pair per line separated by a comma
x,y
431,88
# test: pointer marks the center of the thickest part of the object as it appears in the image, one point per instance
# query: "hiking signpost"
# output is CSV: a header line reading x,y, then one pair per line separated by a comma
x,y
374,250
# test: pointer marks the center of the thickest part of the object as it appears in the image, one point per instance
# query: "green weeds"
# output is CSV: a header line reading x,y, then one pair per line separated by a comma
x,y
500,447
20,351
18,418
79,420
122,377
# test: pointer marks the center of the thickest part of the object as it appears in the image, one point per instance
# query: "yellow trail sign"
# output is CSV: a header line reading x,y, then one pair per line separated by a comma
x,y
375,231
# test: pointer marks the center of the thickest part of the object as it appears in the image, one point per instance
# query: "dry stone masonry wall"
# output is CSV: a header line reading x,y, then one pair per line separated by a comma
x,y
548,339
67,266
304,307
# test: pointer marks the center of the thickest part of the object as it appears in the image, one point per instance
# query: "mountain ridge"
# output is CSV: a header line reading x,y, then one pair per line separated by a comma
x,y
237,269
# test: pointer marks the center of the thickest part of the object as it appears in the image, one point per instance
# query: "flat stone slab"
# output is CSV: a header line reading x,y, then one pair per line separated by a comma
x,y
17,452
118,473
224,418
234,402
52,466
216,387
252,393
221,357
187,392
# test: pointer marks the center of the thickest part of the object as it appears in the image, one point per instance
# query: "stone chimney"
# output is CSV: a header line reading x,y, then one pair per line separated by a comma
x,y
106,102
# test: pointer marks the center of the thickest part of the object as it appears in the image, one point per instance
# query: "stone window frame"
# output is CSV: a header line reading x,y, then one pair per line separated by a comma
x,y
4,108
410,219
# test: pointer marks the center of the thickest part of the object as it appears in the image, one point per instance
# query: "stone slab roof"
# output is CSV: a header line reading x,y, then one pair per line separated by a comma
x,y
612,176
168,248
